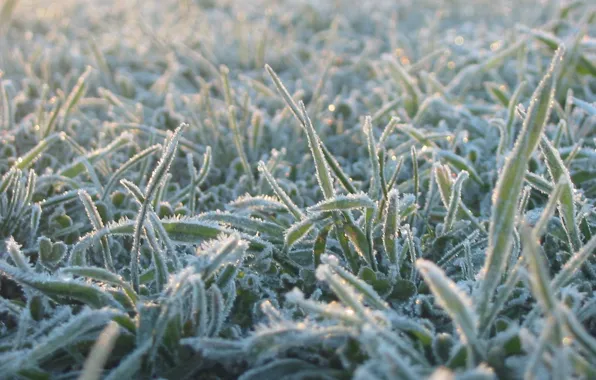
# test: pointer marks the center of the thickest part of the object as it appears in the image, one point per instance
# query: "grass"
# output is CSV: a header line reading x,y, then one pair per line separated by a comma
x,y
329,190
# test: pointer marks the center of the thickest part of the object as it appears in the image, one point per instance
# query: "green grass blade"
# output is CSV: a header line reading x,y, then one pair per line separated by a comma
x,y
281,194
322,169
391,226
559,173
100,352
509,186
457,304
343,203
454,201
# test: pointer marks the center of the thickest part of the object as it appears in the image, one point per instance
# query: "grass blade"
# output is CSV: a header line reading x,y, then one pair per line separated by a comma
x,y
509,186
100,352
454,301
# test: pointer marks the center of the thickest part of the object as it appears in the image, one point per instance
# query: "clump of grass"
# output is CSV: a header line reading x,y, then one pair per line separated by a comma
x,y
333,202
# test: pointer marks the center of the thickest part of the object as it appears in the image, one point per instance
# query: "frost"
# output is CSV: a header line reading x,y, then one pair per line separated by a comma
x,y
191,188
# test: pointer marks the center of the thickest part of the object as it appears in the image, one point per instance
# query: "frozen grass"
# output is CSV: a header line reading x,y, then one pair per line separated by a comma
x,y
297,189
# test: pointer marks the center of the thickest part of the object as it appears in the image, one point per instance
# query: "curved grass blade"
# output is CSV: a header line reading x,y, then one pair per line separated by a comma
x,y
568,270
54,288
538,274
370,295
77,167
243,223
460,163
199,178
559,172
101,275
69,333
297,232
361,243
509,185
322,169
539,183
457,304
30,157
320,244
337,170
157,177
401,76
137,158
281,194
513,102
17,256
100,352
161,272
343,203
77,92
130,366
454,201
97,223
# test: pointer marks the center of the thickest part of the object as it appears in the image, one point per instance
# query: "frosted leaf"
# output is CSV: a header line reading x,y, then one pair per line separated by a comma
x,y
343,202
14,249
509,185
263,202
454,301
99,353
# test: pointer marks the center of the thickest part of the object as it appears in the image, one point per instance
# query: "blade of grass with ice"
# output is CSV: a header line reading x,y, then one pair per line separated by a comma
x,y
391,226
77,167
102,275
509,186
297,232
559,172
7,117
155,181
454,201
30,157
370,295
337,170
322,169
239,145
87,294
281,194
460,163
97,223
281,89
402,77
198,179
76,94
539,278
100,352
318,150
137,158
457,304
375,185
576,261
343,203
416,174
